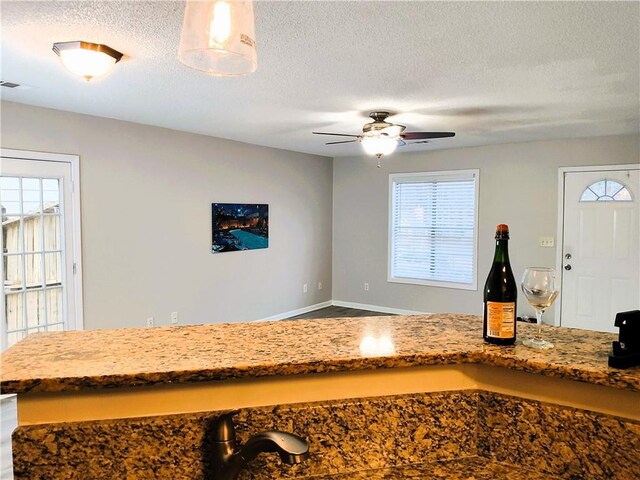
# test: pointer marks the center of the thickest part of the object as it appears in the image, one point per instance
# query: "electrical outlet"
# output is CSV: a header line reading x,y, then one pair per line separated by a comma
x,y
366,287
319,285
174,318
547,242
305,288
150,322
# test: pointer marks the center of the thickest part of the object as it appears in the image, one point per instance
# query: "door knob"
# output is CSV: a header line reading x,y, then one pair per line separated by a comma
x,y
568,256
567,267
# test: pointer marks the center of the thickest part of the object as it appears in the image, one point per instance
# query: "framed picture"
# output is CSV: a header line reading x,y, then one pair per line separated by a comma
x,y
239,226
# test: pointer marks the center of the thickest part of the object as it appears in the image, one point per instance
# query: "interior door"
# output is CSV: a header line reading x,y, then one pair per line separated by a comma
x,y
601,247
39,255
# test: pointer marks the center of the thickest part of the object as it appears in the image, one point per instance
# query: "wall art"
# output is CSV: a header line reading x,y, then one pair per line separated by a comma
x,y
239,226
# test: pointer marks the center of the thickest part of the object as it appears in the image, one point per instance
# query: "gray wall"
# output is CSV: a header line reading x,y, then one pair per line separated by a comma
x,y
518,186
146,216
147,192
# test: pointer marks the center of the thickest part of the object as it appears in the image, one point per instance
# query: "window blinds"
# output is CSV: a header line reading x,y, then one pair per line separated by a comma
x,y
433,228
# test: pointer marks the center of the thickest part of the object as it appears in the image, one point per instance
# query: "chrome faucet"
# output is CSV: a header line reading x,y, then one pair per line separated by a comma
x,y
229,458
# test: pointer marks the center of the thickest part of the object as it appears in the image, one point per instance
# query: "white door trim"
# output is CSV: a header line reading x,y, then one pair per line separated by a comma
x,y
560,227
74,161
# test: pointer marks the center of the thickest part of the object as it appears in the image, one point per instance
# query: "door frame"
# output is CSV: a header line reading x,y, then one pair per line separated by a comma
x,y
74,162
560,227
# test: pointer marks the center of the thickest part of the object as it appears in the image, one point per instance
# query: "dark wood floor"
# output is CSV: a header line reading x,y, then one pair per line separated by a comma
x,y
336,312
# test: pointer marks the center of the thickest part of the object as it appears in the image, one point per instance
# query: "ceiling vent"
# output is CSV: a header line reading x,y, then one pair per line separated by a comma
x,y
17,86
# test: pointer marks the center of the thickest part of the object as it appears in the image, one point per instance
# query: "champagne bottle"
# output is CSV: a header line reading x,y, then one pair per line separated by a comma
x,y
500,295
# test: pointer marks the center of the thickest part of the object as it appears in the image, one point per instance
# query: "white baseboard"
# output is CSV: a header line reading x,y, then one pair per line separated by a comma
x,y
299,311
376,308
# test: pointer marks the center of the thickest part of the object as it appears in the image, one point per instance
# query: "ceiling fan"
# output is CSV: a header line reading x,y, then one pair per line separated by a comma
x,y
381,137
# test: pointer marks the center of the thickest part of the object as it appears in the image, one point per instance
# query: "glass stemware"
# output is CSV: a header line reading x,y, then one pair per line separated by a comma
x,y
539,287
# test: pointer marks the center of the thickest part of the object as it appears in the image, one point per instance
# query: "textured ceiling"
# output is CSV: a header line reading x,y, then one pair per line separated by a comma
x,y
493,72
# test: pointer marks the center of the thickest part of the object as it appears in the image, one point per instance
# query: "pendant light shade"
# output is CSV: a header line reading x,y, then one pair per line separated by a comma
x,y
218,37
86,59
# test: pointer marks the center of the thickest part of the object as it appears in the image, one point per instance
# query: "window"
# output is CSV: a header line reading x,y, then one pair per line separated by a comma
x,y
433,228
606,191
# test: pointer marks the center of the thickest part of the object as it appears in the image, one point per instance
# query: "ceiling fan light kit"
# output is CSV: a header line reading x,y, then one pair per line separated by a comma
x,y
381,137
379,145
218,37
87,59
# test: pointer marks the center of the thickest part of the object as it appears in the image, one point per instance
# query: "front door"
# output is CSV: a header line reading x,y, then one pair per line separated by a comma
x,y
601,247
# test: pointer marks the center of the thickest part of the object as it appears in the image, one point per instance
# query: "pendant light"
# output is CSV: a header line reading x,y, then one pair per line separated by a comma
x,y
86,59
218,37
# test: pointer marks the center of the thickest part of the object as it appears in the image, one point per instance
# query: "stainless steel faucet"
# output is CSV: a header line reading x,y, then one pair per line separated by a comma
x,y
229,458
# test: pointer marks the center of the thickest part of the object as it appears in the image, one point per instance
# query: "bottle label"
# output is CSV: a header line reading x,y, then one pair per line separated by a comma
x,y
501,319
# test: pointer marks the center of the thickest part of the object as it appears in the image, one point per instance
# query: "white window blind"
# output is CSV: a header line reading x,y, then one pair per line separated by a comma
x,y
433,228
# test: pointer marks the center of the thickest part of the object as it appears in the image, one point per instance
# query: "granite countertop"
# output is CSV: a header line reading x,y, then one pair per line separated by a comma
x,y
470,468
60,361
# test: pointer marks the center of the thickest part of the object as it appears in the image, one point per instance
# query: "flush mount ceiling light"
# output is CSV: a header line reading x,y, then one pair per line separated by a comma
x,y
218,37
86,59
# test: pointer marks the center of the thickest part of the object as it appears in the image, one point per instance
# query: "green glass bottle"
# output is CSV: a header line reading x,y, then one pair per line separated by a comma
x,y
500,295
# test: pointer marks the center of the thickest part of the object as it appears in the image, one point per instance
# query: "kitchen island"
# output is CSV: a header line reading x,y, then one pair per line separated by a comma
x,y
401,391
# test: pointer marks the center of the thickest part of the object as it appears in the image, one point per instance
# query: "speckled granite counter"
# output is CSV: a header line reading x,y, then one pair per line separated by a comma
x,y
471,468
54,362
454,435
78,418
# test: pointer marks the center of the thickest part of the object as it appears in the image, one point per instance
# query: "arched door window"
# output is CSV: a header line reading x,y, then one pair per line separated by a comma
x,y
606,191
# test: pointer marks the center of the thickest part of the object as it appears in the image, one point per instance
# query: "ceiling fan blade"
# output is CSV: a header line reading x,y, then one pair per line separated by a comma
x,y
336,134
425,135
344,141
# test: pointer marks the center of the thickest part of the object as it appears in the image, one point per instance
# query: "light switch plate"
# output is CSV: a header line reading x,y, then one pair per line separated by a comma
x,y
547,242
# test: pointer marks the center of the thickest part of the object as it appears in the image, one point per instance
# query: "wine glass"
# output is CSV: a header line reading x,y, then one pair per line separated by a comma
x,y
539,287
